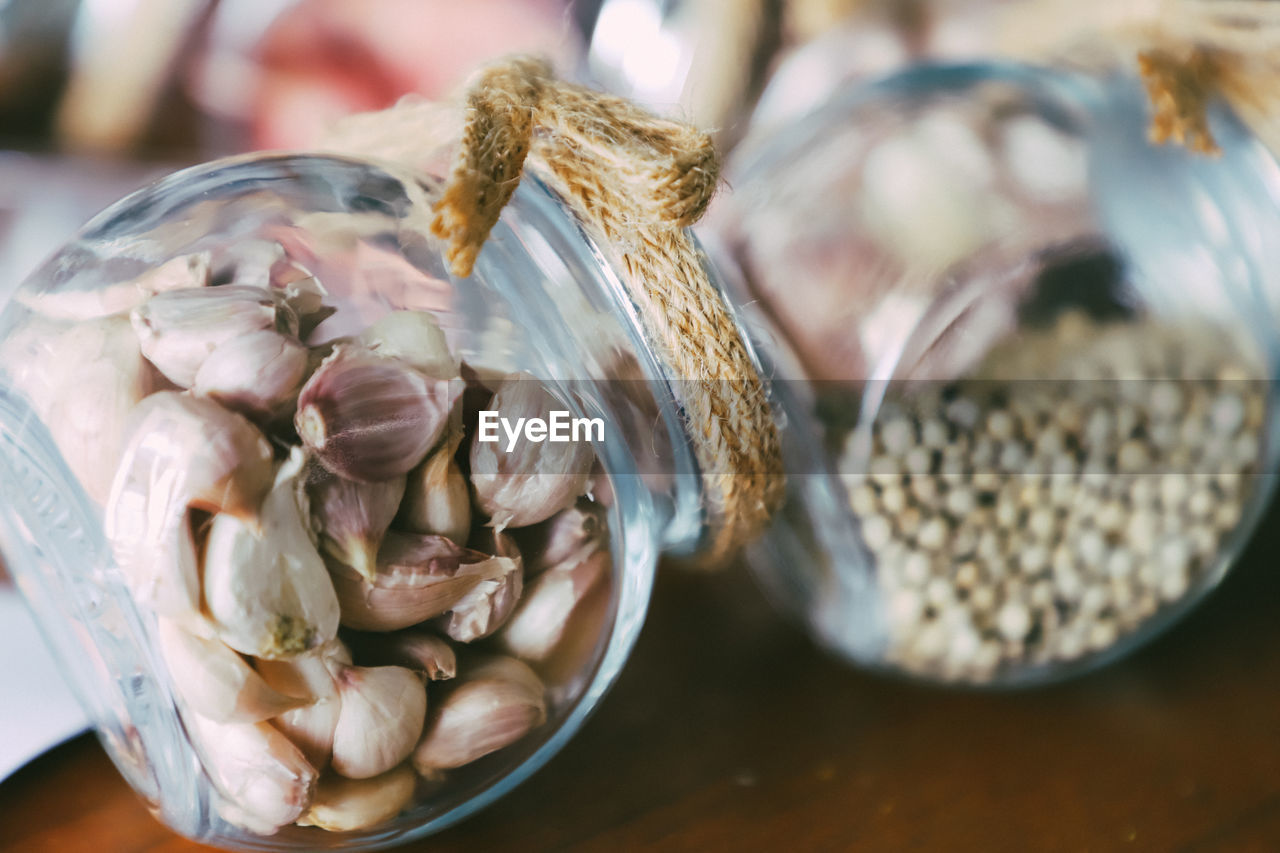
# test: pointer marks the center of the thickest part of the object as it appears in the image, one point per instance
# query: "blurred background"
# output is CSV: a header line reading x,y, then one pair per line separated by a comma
x,y
100,96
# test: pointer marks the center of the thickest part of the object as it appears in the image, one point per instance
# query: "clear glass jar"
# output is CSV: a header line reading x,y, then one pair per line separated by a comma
x,y
1040,353
542,301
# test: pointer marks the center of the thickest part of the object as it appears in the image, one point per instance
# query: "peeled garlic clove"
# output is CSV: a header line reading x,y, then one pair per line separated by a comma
x,y
491,602
536,479
437,499
216,682
258,374
414,338
188,451
263,779
265,586
418,578
547,610
382,712
180,273
344,805
369,418
567,538
492,706
310,727
416,650
351,518
179,329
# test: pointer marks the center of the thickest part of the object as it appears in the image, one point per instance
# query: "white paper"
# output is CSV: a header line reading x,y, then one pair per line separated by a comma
x,y
37,709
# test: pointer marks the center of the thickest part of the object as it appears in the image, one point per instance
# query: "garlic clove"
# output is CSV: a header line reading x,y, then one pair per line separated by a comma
x,y
345,805
488,605
215,682
418,578
382,712
414,338
369,418
536,479
303,293
178,330
263,780
310,727
94,375
351,518
266,587
258,374
417,650
493,705
565,539
182,452
191,452
437,499
180,273
549,608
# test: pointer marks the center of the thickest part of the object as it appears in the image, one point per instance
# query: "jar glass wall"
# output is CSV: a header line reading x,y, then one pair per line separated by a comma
x,y
1038,354
541,302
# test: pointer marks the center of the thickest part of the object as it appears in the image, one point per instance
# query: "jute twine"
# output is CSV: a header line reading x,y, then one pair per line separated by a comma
x,y
1188,52
636,183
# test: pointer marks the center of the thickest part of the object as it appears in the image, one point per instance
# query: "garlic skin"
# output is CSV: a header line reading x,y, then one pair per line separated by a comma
x,y
266,587
178,329
351,518
535,480
182,452
84,381
437,499
417,650
195,453
381,716
181,273
567,538
418,578
215,682
345,805
491,706
549,608
414,338
484,609
264,781
311,727
258,374
368,418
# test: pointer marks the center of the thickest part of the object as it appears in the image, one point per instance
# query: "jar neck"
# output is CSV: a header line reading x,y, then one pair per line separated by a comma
x,y
601,356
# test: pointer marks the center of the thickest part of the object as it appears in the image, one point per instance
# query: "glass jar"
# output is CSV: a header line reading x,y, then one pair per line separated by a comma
x,y
1040,353
541,302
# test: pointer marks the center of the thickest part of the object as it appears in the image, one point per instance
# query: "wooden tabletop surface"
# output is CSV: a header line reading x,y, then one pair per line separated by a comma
x,y
729,731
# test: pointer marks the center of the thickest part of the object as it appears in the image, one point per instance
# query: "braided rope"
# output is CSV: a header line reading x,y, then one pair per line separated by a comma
x,y
637,182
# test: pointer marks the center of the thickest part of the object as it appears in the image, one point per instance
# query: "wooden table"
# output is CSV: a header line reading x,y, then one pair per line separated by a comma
x,y
729,731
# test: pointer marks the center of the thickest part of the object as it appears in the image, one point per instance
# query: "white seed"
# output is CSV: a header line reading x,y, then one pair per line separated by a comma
x,y
884,470
933,534
893,499
1200,504
1000,425
1133,457
959,502
918,461
1120,563
1013,621
915,568
1041,523
1166,399
897,436
863,500
1227,413
1034,559
933,434
876,531
1091,548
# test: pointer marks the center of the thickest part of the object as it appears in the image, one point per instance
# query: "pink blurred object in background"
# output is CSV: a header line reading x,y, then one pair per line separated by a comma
x,y
290,71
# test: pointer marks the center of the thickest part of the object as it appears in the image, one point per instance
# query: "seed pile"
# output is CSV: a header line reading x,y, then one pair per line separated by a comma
x,y
1016,524
350,591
